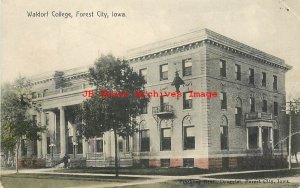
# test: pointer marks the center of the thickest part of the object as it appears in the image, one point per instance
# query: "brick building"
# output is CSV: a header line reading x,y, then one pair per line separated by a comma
x,y
243,123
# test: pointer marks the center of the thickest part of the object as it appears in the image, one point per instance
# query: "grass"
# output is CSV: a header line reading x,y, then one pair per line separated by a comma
x,y
259,175
57,181
139,171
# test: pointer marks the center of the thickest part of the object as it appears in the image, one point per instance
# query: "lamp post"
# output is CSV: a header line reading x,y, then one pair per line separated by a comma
x,y
52,151
75,144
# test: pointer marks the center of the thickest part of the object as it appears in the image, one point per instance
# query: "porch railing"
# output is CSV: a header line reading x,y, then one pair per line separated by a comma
x,y
258,115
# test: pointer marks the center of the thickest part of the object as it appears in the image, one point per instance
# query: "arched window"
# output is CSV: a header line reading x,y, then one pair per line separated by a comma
x,y
238,112
224,133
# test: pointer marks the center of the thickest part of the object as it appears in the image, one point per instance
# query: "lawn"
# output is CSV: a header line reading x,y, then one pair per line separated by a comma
x,y
139,171
259,175
59,181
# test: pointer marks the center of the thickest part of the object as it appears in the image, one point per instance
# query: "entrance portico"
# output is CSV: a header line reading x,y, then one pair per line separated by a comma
x,y
259,130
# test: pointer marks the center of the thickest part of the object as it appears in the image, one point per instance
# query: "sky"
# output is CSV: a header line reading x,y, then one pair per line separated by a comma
x,y
31,46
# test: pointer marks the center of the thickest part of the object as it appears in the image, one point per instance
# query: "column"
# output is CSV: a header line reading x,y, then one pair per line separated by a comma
x,y
247,135
62,131
44,135
259,138
39,142
107,145
85,147
272,138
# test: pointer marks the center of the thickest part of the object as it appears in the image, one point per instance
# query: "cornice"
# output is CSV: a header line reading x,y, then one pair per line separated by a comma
x,y
210,38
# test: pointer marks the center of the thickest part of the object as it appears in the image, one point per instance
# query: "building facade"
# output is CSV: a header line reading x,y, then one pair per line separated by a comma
x,y
243,123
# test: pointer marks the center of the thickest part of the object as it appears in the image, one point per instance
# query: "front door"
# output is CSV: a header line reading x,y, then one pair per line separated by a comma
x,y
266,141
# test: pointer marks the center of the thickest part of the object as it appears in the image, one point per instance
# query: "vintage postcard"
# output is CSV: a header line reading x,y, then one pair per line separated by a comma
x,y
172,93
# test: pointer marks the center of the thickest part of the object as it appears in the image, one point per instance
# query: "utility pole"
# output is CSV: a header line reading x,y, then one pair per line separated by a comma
x,y
293,107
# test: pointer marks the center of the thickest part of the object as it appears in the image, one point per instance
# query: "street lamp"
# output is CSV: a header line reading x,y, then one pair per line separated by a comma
x,y
75,144
52,151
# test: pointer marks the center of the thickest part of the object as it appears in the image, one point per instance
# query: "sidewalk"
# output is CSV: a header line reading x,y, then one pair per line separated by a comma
x,y
151,179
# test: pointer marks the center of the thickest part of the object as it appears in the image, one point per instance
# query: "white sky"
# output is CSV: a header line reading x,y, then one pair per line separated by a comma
x,y
35,45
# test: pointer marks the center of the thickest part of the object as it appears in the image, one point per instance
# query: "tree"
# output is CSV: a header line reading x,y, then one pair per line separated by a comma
x,y
16,123
118,114
295,120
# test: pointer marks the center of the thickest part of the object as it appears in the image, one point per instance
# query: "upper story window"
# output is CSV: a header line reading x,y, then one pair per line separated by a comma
x,y
144,108
143,72
264,79
275,109
222,68
45,92
252,104
187,101
223,100
164,72
251,76
238,72
274,82
34,95
187,67
265,106
189,137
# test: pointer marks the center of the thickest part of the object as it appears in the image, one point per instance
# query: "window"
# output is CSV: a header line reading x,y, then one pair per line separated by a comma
x,y
165,139
189,138
34,95
187,101
164,72
224,133
251,76
264,79
238,112
164,101
223,100
275,109
145,140
237,72
275,82
223,68
188,162
265,106
253,137
120,144
165,162
45,92
187,67
252,104
238,116
144,109
276,138
99,146
143,72
34,118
